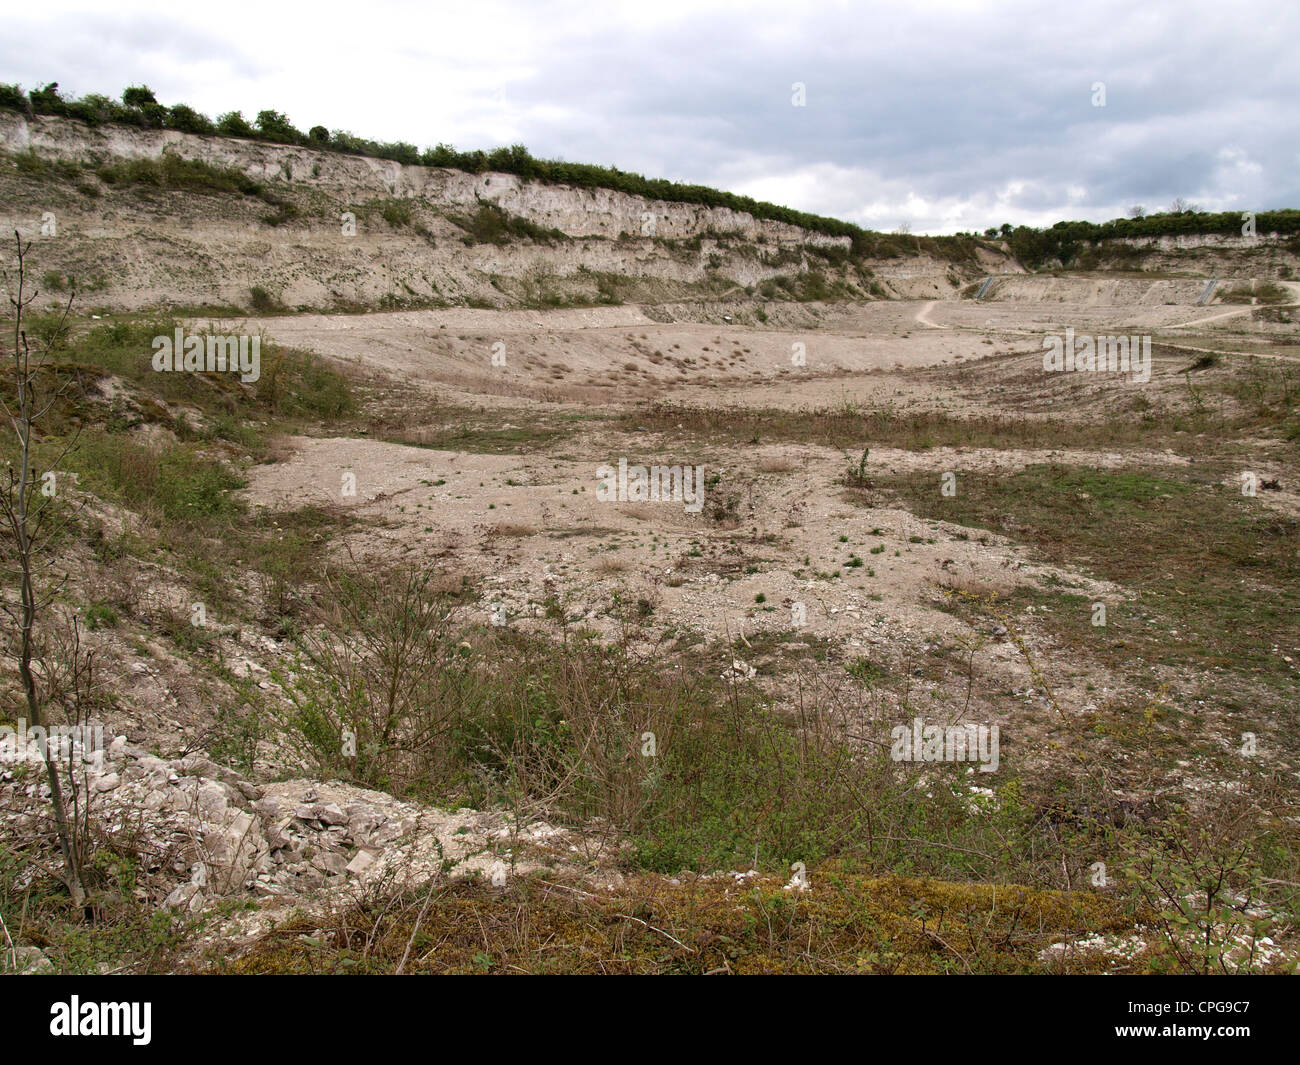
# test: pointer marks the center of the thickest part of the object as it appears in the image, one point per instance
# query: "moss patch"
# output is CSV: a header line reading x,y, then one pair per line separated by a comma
x,y
844,923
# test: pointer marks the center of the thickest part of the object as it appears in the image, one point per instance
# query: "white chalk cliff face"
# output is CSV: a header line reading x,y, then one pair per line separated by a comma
x,y
578,212
138,246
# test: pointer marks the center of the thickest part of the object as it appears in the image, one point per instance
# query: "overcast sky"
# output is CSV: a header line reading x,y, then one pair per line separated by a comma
x,y
948,116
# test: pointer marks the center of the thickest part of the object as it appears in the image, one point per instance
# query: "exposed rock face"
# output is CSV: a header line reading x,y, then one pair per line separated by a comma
x,y
577,212
206,248
204,833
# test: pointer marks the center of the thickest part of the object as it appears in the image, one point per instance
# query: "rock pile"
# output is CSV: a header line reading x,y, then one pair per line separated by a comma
x,y
201,832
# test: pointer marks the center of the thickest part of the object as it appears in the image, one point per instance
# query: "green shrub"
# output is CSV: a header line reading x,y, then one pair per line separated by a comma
x,y
187,120
490,224
100,616
396,212
233,124
261,300
12,97
274,126
138,96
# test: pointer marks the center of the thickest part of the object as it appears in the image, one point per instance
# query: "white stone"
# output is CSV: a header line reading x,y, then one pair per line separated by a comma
x,y
361,861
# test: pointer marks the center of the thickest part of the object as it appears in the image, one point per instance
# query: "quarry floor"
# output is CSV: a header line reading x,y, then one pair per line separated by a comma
x,y
794,557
